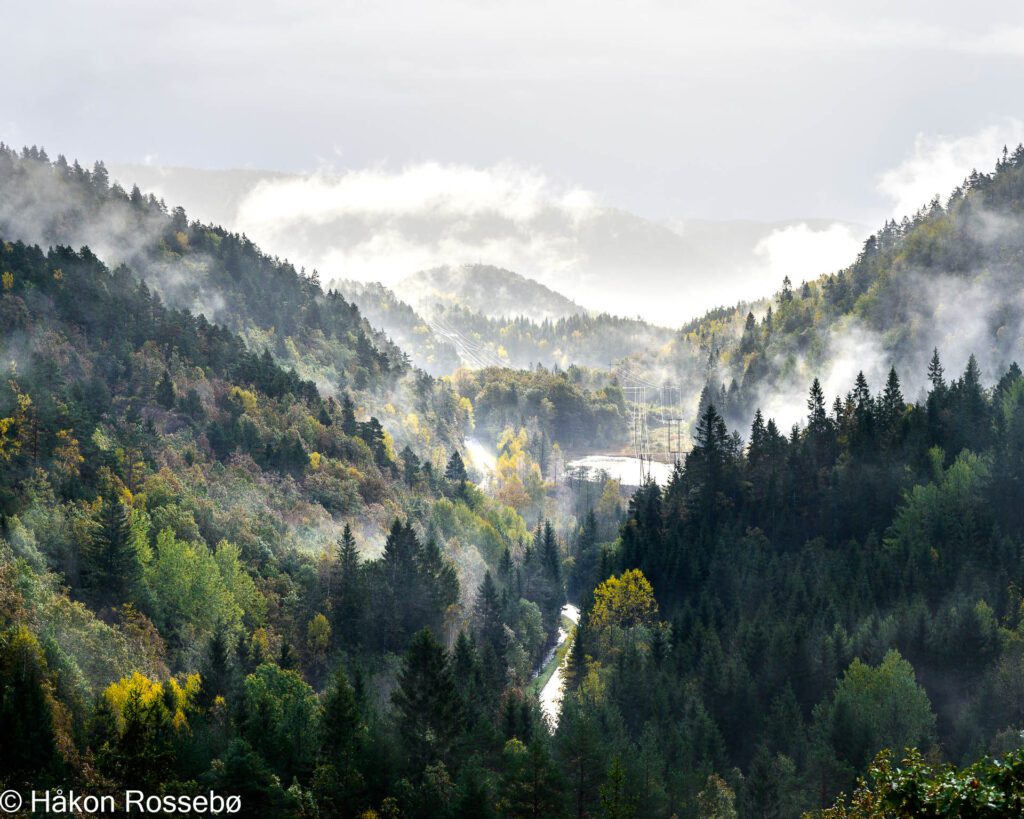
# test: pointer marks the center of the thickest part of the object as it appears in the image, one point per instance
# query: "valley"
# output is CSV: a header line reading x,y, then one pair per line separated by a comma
x,y
331,547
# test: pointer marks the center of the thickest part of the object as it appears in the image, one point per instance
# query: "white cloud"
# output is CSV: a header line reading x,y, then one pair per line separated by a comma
x,y
939,163
507,190
382,224
801,252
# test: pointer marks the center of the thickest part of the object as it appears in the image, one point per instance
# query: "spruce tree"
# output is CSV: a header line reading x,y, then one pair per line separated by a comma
x,y
165,391
217,673
455,473
348,416
348,590
112,567
891,404
429,712
935,371
487,616
341,723
817,417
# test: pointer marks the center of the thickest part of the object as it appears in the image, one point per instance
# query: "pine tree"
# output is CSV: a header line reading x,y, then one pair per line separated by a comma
x,y
615,802
891,404
787,291
530,785
861,393
341,723
410,466
748,342
551,554
465,662
755,449
506,567
576,662
487,616
339,781
217,672
817,418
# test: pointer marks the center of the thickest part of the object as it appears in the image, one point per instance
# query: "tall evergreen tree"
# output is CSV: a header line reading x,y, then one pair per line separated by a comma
x,y
165,394
935,371
112,569
348,590
455,473
427,703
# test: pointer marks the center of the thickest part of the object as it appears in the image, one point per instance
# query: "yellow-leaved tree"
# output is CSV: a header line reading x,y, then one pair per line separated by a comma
x,y
624,606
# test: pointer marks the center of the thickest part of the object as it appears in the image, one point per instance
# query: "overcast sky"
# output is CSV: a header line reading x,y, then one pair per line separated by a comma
x,y
775,111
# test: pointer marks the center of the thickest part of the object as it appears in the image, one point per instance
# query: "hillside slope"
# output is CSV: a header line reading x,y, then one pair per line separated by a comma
x,y
228,279
948,279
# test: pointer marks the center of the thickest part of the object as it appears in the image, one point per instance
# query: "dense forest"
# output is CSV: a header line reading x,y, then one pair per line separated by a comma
x,y
582,340
575,407
243,550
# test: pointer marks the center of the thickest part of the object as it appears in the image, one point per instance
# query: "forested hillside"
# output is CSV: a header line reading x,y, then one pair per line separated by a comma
x,y
582,340
945,278
194,536
225,277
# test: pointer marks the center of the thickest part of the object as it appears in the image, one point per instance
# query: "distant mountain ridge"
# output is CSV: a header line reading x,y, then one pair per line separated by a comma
x,y
491,291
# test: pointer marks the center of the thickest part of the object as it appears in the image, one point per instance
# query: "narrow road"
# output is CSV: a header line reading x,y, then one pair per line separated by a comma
x,y
551,694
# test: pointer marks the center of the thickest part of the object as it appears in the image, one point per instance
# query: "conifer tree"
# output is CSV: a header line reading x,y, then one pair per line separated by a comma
x,y
817,417
111,562
165,394
217,673
487,616
455,473
891,404
935,371
348,590
348,416
427,702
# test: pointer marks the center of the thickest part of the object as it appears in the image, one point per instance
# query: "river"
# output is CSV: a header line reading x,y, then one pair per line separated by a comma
x,y
551,694
624,469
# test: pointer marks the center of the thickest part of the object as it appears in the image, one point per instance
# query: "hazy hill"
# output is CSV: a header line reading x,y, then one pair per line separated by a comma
x,y
447,329
490,291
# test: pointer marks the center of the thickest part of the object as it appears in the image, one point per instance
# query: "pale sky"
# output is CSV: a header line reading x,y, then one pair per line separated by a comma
x,y
713,109
846,111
